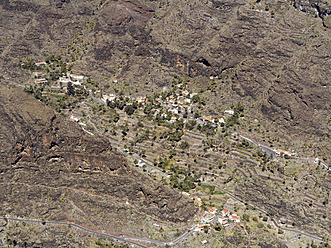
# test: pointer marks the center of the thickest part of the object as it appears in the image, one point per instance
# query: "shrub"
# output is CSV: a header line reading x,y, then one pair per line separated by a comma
x,y
246,217
129,109
260,225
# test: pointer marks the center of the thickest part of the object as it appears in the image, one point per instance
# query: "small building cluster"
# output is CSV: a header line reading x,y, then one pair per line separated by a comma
x,y
141,100
280,152
74,119
110,98
177,106
197,200
212,216
61,84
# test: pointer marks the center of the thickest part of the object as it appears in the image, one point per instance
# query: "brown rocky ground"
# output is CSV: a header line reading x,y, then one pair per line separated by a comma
x,y
23,234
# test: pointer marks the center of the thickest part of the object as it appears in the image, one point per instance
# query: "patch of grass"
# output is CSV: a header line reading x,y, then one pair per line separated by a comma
x,y
53,95
218,192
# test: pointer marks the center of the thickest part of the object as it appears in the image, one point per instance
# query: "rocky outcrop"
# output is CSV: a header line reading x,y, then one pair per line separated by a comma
x,y
32,133
317,8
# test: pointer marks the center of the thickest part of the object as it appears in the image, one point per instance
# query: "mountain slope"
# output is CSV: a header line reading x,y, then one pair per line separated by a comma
x,y
51,169
269,55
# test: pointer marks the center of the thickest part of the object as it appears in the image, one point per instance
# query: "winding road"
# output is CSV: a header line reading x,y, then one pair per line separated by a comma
x,y
129,240
123,239
311,237
269,150
264,148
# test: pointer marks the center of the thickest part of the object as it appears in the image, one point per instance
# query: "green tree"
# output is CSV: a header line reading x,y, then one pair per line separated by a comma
x,y
218,227
246,217
129,109
184,145
195,98
70,89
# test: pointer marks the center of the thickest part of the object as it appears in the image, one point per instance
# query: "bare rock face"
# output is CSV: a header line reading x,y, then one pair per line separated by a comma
x,y
45,158
317,8
32,133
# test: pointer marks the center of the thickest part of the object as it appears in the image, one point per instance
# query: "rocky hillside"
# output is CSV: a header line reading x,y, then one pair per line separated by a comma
x,y
51,169
273,56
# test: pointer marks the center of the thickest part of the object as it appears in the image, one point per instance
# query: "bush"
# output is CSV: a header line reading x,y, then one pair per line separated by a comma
x,y
260,225
190,124
175,136
129,109
246,217
184,145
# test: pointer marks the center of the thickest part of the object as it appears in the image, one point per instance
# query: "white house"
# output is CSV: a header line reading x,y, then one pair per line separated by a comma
x,y
73,118
192,95
41,63
229,112
141,100
173,119
203,242
75,78
187,100
140,163
234,217
221,120
225,212
40,80
186,194
76,83
109,97
64,80
174,111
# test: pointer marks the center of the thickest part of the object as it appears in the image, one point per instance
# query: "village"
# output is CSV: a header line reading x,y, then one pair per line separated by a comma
x,y
212,217
177,106
171,105
153,115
